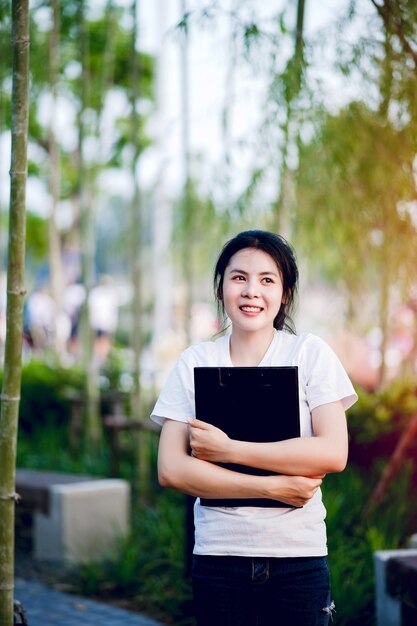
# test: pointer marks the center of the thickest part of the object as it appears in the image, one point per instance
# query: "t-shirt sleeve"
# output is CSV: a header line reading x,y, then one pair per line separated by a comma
x,y
176,400
325,377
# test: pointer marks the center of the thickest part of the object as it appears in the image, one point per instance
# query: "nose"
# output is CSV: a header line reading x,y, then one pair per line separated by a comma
x,y
250,290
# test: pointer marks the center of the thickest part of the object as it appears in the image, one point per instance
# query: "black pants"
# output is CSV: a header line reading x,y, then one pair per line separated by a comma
x,y
246,591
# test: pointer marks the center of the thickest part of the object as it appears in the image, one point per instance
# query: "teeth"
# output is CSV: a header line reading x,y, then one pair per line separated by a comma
x,y
251,309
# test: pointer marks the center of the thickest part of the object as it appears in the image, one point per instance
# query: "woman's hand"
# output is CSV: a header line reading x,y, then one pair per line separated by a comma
x,y
178,470
207,442
294,490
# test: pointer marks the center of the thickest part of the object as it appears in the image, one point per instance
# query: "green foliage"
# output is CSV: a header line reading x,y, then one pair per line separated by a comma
x,y
251,35
146,569
106,34
5,53
124,139
47,448
198,228
108,70
349,201
147,566
384,412
249,195
352,540
48,394
36,236
44,402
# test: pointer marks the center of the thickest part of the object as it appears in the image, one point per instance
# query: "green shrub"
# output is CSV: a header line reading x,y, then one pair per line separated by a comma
x,y
44,400
47,449
148,566
353,540
378,419
44,419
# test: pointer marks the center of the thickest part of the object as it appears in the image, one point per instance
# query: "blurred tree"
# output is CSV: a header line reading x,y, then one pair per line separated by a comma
x,y
93,425
56,277
15,291
400,20
381,150
228,105
353,225
264,42
37,240
352,215
108,60
210,227
4,105
88,65
291,86
136,255
188,212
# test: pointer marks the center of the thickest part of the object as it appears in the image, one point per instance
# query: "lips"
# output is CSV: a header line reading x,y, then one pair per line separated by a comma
x,y
251,309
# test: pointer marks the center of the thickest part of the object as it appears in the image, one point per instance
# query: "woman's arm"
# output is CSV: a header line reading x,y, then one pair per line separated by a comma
x,y
178,470
323,453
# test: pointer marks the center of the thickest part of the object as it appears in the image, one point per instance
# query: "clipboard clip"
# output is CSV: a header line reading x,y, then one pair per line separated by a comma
x,y
254,378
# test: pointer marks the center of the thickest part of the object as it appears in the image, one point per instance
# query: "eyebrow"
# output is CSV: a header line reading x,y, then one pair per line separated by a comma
x,y
238,271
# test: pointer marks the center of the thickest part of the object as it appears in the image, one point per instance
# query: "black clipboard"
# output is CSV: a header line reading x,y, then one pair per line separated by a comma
x,y
257,404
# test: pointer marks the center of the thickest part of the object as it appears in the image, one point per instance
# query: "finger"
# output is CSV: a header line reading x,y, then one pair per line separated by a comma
x,y
195,423
314,480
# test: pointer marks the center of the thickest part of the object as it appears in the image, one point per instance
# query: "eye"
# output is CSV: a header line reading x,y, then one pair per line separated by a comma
x,y
238,277
268,280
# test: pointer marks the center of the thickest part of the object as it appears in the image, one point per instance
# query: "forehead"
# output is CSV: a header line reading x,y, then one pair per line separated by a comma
x,y
252,259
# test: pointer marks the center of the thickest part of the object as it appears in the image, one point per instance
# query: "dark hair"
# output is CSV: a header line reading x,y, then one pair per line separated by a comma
x,y
283,255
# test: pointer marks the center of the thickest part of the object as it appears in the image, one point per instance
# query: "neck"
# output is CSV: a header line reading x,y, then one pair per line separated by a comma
x,y
248,349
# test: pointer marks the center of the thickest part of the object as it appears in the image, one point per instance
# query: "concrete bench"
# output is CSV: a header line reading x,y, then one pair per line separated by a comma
x,y
396,587
75,518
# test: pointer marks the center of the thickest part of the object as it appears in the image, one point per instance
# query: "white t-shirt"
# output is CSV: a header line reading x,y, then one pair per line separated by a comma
x,y
255,531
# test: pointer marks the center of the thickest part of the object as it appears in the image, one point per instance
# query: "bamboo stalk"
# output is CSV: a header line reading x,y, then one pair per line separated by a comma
x,y
14,314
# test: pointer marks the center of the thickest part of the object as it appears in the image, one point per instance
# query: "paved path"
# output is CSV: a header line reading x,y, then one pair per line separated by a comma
x,y
46,607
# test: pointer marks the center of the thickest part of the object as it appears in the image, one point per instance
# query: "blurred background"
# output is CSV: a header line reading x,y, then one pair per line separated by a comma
x,y
158,130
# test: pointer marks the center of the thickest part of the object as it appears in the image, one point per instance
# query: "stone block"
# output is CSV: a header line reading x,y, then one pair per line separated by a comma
x,y
84,520
388,609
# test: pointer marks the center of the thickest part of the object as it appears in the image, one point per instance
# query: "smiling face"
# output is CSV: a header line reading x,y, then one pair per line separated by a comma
x,y
252,291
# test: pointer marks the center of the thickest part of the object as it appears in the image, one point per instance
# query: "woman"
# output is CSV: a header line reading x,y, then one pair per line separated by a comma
x,y
254,565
